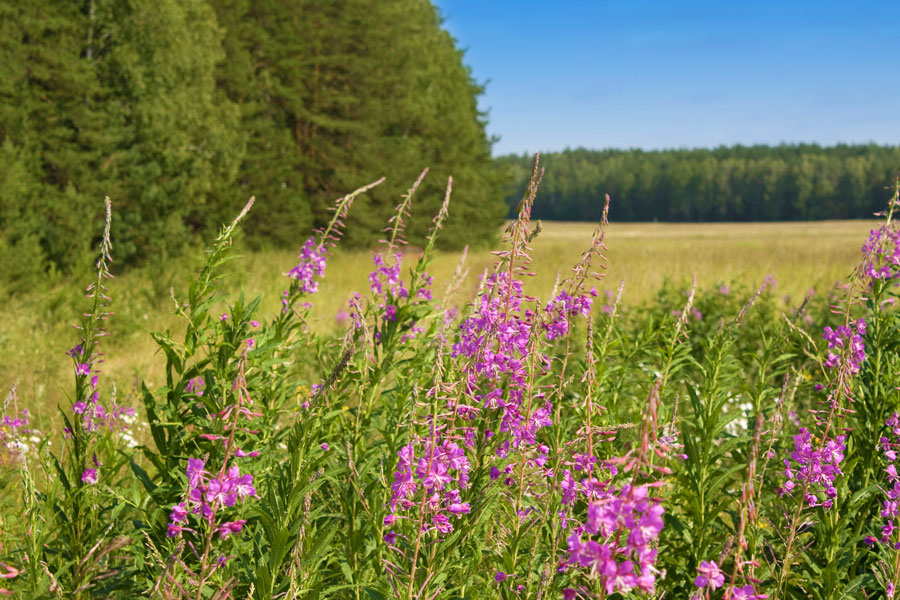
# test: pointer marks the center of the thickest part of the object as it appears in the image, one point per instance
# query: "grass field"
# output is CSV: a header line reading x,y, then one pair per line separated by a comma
x,y
36,328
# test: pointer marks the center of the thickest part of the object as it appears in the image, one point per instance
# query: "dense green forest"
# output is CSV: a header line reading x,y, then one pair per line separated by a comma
x,y
181,109
739,183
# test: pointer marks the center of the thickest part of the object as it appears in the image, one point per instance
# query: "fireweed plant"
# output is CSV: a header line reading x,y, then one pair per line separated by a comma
x,y
717,443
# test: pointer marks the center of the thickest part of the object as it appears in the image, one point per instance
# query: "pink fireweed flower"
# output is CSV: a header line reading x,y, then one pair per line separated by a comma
x,y
710,575
208,494
496,340
385,279
390,312
89,476
441,470
564,306
848,341
179,513
221,492
628,514
882,254
227,529
816,467
195,386
243,484
310,266
891,503
747,592
195,472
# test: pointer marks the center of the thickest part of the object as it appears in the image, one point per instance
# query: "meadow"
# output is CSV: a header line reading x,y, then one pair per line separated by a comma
x,y
617,412
799,256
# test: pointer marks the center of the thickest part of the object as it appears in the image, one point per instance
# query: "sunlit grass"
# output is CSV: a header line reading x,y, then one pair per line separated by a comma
x,y
36,329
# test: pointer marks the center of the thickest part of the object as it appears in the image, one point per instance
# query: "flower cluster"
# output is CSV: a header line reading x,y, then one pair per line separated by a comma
x,y
94,415
891,506
496,339
311,265
882,254
206,495
12,431
563,306
817,468
14,426
442,469
627,523
886,573
710,577
849,342
386,278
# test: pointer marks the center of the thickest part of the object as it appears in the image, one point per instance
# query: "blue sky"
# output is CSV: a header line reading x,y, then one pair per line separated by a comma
x,y
652,74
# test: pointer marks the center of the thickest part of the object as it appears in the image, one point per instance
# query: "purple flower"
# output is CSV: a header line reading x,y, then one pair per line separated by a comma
x,y
174,530
442,469
195,472
89,476
495,344
385,279
224,317
242,483
623,579
83,369
390,312
881,254
310,266
227,529
221,492
848,341
746,593
710,575
818,467
628,514
179,513
561,308
501,576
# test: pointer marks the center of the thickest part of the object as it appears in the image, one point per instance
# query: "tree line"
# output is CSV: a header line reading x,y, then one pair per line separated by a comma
x,y
181,109
738,183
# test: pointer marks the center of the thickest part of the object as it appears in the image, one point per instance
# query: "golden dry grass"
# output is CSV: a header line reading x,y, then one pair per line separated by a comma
x,y
35,330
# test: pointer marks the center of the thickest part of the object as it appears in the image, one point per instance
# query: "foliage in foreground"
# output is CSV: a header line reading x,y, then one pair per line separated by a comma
x,y
705,446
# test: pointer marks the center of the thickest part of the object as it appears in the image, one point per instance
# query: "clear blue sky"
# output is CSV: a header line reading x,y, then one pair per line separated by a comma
x,y
654,74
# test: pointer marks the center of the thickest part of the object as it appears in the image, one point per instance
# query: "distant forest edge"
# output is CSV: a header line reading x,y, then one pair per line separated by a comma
x,y
181,109
738,183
